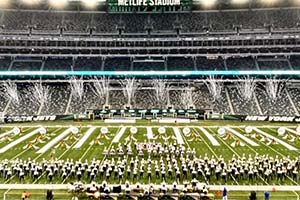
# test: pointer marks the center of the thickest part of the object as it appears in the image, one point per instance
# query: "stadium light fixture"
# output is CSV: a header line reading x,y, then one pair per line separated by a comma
x,y
239,2
207,3
58,4
268,2
90,4
30,2
4,3
296,2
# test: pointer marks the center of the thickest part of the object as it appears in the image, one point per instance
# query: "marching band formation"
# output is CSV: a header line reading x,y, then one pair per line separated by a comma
x,y
150,162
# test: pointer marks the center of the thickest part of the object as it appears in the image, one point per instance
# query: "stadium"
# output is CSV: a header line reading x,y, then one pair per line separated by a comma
x,y
162,99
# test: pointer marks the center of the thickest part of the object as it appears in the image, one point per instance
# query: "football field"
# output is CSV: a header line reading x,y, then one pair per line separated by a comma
x,y
90,142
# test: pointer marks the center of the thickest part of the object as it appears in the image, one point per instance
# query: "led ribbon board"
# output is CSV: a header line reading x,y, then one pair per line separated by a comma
x,y
152,6
151,73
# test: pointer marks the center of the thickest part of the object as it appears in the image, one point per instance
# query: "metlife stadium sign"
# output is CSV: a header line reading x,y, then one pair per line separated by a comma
x,y
148,2
149,6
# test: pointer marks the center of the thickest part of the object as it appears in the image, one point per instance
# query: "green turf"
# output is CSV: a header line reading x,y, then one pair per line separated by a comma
x,y
202,146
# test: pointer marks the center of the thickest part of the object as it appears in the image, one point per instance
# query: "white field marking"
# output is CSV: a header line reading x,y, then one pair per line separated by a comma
x,y
84,138
178,135
257,153
282,156
149,133
206,143
278,154
227,145
86,151
211,138
258,141
54,141
272,149
109,148
233,152
6,133
28,149
61,155
21,139
288,146
33,159
119,135
297,195
14,136
292,131
251,142
186,142
190,148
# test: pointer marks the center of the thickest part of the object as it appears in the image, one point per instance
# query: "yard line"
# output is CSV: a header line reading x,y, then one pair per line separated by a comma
x,y
288,146
297,195
190,148
112,143
28,149
84,138
211,138
6,133
267,146
292,131
33,159
21,139
257,153
149,133
277,153
178,135
229,147
88,149
251,142
238,156
55,140
206,143
57,158
119,135
213,150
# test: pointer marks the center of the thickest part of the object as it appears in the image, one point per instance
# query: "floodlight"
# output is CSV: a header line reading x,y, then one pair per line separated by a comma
x,y
268,2
30,2
239,2
59,4
296,2
207,3
4,3
91,4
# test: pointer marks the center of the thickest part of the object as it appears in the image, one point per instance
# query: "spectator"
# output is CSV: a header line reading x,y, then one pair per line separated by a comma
x,y
224,194
49,195
252,195
267,195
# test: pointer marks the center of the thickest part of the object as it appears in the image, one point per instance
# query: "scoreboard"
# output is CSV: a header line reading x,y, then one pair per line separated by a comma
x,y
148,6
